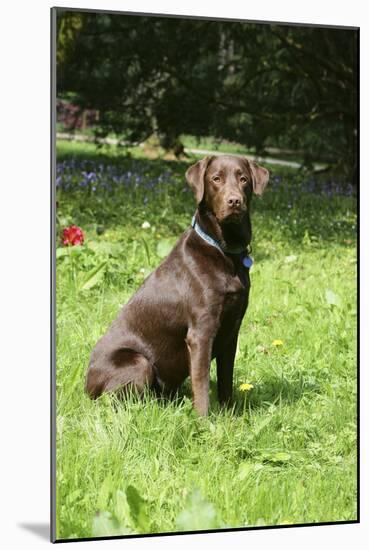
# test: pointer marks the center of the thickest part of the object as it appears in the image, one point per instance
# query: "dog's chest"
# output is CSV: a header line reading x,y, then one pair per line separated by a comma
x,y
235,302
236,294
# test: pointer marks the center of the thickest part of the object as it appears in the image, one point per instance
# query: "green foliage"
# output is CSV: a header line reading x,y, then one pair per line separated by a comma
x,y
198,514
138,509
104,525
332,298
164,247
93,277
129,511
130,514
286,452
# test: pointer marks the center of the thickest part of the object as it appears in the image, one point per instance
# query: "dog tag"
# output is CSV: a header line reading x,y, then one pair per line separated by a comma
x,y
247,262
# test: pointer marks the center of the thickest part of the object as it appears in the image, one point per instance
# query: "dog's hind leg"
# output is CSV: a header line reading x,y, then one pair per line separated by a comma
x,y
124,369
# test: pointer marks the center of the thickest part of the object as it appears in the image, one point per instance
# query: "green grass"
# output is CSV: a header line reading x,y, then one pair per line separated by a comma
x,y
212,144
190,142
286,452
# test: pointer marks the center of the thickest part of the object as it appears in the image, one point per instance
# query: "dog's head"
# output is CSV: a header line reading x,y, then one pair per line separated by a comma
x,y
225,185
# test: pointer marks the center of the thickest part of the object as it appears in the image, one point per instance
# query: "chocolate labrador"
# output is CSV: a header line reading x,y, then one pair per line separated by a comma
x,y
189,310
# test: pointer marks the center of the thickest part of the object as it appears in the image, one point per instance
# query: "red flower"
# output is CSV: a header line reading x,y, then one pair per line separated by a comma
x,y
72,235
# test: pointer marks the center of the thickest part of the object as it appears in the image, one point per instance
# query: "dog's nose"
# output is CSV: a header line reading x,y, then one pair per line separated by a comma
x,y
234,200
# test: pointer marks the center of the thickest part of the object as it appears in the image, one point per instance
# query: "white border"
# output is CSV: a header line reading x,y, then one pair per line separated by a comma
x,y
24,299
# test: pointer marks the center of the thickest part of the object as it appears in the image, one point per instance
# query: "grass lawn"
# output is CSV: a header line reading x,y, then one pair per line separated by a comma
x,y
286,453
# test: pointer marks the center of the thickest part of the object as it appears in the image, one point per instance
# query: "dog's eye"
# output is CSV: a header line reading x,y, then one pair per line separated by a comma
x,y
243,179
216,179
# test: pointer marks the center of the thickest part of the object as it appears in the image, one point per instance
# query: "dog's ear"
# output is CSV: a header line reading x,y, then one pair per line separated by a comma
x,y
260,177
195,177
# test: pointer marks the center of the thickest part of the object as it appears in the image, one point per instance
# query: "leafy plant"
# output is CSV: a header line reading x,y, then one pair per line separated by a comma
x,y
198,514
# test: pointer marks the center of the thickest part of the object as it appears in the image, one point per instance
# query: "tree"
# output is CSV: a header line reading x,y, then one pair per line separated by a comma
x,y
257,84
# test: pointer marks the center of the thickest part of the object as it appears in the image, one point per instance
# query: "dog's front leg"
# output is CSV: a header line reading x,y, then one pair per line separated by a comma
x,y
225,363
199,343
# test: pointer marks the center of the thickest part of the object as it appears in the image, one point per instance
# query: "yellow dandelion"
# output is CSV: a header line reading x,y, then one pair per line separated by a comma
x,y
277,343
246,387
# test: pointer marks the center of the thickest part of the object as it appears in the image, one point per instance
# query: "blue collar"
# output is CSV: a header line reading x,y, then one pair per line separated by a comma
x,y
246,260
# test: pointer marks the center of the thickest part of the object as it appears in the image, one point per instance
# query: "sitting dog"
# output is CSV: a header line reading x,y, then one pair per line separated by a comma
x,y
189,310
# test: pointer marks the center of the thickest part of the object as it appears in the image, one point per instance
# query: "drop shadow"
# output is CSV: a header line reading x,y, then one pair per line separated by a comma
x,y
42,530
